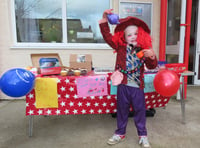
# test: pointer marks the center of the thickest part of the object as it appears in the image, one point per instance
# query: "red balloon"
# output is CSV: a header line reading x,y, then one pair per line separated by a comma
x,y
166,82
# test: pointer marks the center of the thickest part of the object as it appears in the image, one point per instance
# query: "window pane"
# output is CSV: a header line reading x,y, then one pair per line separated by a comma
x,y
173,31
82,20
38,20
173,21
137,9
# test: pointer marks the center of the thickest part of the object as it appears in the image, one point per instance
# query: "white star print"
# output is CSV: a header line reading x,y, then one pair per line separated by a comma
x,y
91,111
71,89
71,104
34,103
115,110
109,82
99,111
146,97
147,102
154,105
58,95
96,104
79,104
160,105
67,81
58,80
40,112
62,103
75,111
112,104
83,111
48,111
84,97
107,110
75,96
154,101
66,111
159,100
66,96
87,104
31,112
57,111
100,97
104,104
149,106
92,97
62,88
153,96
108,97
165,100
27,104
30,96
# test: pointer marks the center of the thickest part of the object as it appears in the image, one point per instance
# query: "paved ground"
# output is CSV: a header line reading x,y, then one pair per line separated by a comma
x,y
165,129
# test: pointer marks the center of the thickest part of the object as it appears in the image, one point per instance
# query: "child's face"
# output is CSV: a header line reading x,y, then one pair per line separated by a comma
x,y
131,33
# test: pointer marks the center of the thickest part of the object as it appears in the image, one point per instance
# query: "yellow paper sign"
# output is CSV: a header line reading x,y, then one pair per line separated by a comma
x,y
46,93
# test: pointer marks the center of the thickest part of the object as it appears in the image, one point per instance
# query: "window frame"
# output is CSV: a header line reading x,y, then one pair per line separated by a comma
x,y
63,45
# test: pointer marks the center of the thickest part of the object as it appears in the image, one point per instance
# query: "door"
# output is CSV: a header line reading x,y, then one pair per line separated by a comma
x,y
197,57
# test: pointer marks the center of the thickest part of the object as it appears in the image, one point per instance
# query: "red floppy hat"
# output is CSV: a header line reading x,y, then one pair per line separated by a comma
x,y
130,20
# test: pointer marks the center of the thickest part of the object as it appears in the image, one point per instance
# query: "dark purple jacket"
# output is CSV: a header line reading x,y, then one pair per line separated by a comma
x,y
121,54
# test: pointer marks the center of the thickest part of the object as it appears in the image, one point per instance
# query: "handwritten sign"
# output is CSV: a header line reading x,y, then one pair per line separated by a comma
x,y
92,86
148,82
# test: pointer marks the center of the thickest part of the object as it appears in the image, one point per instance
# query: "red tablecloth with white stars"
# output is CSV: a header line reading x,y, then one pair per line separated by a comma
x,y
70,103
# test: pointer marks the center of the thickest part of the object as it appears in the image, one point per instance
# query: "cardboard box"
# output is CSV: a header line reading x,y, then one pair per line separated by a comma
x,y
83,61
48,70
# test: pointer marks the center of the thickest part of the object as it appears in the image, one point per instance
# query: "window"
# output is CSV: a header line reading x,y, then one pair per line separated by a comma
x,y
141,10
173,31
58,21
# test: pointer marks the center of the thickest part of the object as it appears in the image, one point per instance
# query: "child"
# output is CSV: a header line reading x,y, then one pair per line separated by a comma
x,y
130,35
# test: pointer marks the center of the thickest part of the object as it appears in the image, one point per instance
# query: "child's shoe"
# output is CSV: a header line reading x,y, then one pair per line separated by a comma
x,y
144,142
115,139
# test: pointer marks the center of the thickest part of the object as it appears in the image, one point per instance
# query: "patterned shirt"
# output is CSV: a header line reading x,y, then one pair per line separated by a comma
x,y
132,61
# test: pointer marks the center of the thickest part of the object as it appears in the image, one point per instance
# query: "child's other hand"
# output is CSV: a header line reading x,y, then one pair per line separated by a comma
x,y
149,53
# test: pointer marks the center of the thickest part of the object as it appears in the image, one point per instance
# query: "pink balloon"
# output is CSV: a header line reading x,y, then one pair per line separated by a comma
x,y
166,83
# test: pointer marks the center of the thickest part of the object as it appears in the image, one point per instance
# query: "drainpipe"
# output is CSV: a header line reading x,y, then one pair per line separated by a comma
x,y
182,31
163,26
182,41
187,38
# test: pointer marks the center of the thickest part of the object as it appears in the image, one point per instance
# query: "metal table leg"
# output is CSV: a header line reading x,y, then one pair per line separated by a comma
x,y
30,126
182,92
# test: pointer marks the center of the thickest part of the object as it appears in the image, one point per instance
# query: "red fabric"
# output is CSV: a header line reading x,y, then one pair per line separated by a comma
x,y
130,20
69,103
119,46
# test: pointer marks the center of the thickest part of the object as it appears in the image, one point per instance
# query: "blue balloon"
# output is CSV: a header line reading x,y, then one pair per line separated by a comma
x,y
113,18
17,82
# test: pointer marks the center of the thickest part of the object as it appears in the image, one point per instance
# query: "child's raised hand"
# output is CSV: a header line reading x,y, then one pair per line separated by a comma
x,y
106,12
149,53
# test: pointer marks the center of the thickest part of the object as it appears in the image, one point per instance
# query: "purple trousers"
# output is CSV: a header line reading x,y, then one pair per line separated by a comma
x,y
127,96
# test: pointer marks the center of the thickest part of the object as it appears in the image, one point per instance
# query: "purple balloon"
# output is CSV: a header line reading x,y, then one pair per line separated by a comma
x,y
113,18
